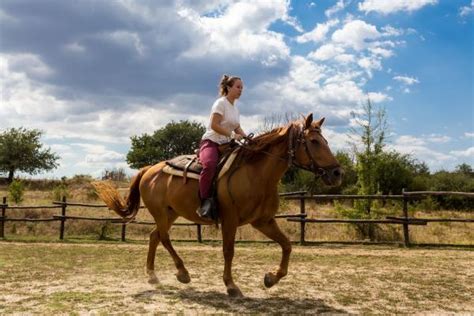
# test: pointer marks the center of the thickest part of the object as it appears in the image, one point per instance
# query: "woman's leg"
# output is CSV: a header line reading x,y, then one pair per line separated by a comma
x,y
209,157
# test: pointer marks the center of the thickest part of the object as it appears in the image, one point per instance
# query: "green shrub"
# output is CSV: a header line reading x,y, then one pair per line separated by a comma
x,y
16,191
59,191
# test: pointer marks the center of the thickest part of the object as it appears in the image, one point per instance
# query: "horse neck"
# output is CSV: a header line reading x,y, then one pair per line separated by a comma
x,y
274,164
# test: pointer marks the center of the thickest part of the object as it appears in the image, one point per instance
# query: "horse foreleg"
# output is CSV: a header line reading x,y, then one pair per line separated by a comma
x,y
228,237
150,261
272,231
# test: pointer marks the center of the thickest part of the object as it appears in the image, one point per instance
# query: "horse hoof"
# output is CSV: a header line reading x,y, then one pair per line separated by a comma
x,y
183,277
153,280
269,280
234,293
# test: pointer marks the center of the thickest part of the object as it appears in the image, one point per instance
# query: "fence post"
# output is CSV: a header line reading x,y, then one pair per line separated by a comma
x,y
63,219
303,221
124,227
2,226
406,233
370,226
199,233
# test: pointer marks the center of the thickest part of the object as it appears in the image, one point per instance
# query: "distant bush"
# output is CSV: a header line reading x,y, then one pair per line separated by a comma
x,y
59,191
114,174
16,191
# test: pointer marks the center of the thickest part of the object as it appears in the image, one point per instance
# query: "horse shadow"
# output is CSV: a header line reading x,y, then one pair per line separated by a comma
x,y
223,303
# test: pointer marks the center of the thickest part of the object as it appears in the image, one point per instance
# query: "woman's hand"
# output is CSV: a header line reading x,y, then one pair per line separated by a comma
x,y
236,136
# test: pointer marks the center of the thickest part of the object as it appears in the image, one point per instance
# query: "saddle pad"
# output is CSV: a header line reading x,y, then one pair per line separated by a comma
x,y
170,170
181,163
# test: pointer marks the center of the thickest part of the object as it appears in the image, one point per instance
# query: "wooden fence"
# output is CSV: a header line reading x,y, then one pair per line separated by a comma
x,y
300,217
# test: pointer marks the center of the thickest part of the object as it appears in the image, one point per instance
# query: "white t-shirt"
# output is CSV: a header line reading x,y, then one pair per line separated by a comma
x,y
230,120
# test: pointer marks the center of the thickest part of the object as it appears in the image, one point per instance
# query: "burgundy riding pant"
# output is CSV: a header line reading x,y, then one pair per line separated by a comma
x,y
209,157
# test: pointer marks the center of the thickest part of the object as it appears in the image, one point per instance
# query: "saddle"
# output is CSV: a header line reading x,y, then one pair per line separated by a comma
x,y
189,166
186,163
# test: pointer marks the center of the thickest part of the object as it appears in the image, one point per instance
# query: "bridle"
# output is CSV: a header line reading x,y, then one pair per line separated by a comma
x,y
296,138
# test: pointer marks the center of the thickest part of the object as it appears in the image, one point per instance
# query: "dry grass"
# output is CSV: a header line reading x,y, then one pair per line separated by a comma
x,y
446,233
108,278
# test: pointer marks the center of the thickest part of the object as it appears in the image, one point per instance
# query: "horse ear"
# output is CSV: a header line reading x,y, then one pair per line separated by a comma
x,y
308,120
320,122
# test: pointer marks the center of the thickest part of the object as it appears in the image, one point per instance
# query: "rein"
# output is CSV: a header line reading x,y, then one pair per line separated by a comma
x,y
296,137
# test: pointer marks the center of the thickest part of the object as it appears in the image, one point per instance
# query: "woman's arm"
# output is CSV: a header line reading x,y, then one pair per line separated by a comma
x,y
216,120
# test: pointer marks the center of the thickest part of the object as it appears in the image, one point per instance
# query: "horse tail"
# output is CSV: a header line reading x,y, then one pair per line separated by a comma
x,y
128,208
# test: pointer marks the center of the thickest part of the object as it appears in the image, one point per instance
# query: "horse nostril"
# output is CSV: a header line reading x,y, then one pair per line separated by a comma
x,y
337,172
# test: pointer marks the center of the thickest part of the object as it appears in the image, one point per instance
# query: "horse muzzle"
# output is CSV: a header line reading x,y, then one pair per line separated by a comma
x,y
333,176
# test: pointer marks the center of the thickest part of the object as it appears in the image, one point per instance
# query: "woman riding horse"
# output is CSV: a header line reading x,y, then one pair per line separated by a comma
x,y
246,195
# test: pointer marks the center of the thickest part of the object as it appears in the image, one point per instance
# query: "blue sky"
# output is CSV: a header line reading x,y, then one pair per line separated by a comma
x,y
90,74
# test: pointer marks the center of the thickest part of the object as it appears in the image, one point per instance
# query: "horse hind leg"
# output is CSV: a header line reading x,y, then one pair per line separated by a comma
x,y
160,233
150,261
272,231
182,274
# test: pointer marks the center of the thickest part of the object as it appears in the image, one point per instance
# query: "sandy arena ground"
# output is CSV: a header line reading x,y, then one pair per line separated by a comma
x,y
59,278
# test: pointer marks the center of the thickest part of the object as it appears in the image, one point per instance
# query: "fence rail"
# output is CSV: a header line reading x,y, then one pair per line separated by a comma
x,y
301,217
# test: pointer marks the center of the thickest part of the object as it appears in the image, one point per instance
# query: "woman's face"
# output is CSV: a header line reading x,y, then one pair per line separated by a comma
x,y
235,91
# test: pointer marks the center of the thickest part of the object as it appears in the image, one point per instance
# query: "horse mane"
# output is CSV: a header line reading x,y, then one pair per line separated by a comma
x,y
255,149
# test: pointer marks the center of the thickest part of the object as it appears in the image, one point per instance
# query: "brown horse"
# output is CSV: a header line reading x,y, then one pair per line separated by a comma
x,y
246,195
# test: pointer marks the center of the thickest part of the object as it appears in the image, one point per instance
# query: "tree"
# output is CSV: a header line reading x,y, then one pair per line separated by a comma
x,y
394,172
21,150
464,168
368,141
176,138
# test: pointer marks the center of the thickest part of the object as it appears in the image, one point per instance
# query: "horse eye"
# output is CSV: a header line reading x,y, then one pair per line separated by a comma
x,y
314,142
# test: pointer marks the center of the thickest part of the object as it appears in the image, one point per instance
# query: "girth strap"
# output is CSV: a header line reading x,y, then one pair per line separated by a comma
x,y
186,168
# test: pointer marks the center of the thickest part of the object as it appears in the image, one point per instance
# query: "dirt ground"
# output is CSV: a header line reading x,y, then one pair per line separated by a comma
x,y
104,278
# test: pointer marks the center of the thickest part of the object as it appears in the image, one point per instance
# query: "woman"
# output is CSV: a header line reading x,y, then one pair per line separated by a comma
x,y
224,125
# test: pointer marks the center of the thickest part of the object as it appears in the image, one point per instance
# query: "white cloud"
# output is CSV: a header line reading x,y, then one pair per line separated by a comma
x,y
393,6
107,157
406,80
383,52
319,33
378,97
418,148
345,58
466,10
406,140
435,138
369,64
241,30
470,135
469,152
29,64
356,34
327,51
391,31
339,6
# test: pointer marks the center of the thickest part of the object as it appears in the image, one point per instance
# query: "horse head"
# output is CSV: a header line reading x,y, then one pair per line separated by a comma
x,y
309,150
